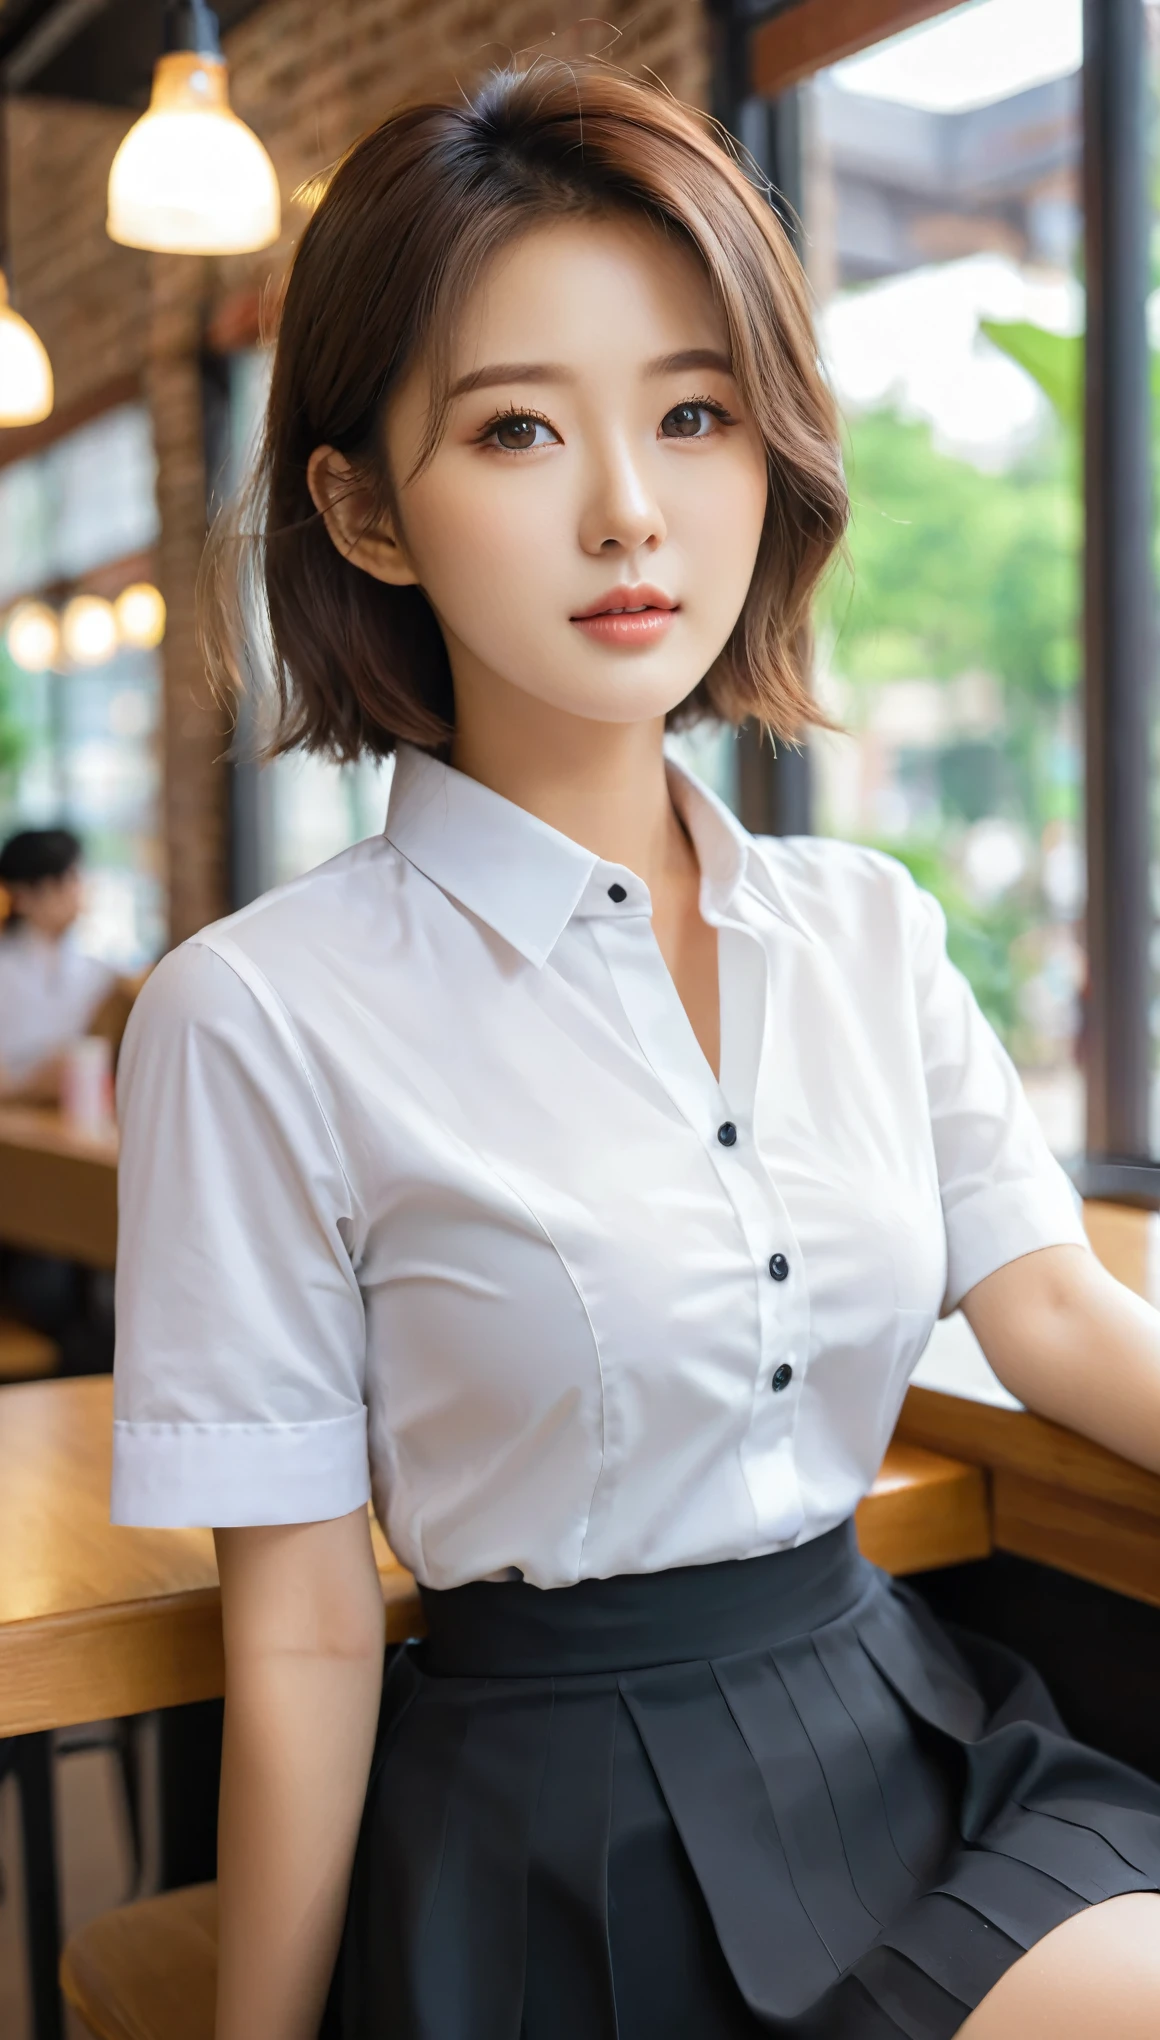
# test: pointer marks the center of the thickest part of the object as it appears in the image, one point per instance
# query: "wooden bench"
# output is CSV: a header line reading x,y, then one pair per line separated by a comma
x,y
148,1971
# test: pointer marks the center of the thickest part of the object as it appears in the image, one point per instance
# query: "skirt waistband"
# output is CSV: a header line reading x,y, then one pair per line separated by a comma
x,y
510,1630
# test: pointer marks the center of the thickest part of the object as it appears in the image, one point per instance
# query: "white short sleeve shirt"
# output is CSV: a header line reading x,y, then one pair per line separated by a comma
x,y
49,992
428,1192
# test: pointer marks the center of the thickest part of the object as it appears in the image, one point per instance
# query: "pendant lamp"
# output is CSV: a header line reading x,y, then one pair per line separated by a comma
x,y
190,178
25,370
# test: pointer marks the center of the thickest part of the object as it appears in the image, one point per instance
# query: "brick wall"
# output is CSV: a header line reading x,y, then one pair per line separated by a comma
x,y
309,78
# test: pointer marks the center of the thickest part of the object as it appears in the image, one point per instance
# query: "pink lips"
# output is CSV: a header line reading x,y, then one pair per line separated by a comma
x,y
628,616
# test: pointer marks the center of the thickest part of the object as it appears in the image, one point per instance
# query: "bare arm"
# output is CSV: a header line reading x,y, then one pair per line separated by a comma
x,y
1073,1344
302,1612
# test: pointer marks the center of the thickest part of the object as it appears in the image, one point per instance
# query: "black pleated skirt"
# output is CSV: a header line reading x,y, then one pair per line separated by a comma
x,y
767,1796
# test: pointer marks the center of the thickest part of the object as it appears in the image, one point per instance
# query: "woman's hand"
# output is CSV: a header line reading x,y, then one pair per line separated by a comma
x,y
302,1612
1075,1345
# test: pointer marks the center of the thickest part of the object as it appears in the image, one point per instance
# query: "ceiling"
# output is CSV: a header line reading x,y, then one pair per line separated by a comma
x,y
104,50
100,50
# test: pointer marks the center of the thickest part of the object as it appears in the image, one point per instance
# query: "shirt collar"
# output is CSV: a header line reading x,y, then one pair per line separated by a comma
x,y
731,859
526,880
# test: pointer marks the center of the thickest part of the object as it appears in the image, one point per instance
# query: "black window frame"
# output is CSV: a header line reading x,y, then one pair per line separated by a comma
x,y
1119,604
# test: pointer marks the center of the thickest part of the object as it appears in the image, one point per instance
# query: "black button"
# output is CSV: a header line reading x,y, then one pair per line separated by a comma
x,y
778,1267
617,893
727,1134
782,1378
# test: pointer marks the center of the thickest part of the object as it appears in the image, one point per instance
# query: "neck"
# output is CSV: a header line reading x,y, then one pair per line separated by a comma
x,y
602,784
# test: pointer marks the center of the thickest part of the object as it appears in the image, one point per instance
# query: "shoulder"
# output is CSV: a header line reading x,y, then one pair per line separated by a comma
x,y
844,891
67,969
265,954
13,954
211,1054
238,980
331,905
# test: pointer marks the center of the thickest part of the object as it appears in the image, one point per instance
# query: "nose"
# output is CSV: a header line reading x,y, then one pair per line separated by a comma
x,y
621,513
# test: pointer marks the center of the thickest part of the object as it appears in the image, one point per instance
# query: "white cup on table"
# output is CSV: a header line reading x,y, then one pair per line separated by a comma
x,y
86,1085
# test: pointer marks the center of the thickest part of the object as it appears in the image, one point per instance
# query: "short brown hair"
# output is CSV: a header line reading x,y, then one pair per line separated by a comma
x,y
408,221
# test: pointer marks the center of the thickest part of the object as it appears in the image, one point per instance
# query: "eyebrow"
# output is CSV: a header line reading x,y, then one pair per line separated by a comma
x,y
498,372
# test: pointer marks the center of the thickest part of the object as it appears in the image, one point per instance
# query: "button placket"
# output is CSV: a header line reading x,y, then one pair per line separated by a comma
x,y
647,993
666,1040
782,1313
767,1448
787,1309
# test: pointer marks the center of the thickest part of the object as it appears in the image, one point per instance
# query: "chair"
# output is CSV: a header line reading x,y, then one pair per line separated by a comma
x,y
31,1760
147,1971
26,1355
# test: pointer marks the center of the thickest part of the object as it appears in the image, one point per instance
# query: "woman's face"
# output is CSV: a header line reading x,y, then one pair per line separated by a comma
x,y
51,905
588,526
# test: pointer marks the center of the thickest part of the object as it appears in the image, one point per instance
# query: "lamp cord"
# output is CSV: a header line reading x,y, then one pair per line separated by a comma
x,y
191,25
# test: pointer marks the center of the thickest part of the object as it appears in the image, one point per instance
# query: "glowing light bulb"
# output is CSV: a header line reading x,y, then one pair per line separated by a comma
x,y
88,629
25,370
140,614
190,177
33,637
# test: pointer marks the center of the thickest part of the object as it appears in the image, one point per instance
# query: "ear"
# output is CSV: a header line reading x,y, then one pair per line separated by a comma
x,y
368,540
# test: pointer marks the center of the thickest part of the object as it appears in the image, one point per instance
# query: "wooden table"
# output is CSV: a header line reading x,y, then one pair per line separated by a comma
x,y
1054,1497
98,1621
58,1187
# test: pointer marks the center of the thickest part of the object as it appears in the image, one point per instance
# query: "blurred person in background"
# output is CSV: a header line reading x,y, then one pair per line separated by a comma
x,y
51,994
50,991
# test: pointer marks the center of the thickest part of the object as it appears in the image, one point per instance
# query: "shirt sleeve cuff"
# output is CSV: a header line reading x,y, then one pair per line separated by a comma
x,y
225,1476
1003,1221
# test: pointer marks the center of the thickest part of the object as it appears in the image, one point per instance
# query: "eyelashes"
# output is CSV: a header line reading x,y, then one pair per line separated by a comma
x,y
513,414
715,409
712,404
521,414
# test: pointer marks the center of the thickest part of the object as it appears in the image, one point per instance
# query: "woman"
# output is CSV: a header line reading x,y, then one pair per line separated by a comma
x,y
593,1174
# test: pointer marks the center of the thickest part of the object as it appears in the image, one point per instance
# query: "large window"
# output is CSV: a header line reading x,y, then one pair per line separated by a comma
x,y
1153,26
942,237
80,692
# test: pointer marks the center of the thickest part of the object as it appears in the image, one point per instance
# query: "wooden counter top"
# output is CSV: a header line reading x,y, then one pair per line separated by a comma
x,y
98,1621
1055,1497
58,1187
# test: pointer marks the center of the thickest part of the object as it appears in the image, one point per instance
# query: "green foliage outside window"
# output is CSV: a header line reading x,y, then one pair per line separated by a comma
x,y
952,570
13,740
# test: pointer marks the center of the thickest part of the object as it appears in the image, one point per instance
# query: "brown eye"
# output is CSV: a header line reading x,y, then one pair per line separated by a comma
x,y
684,421
517,433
